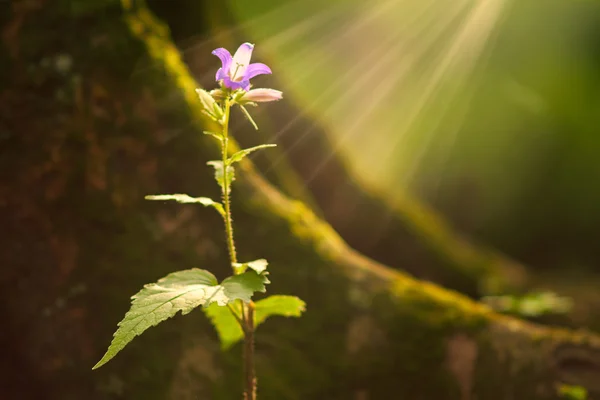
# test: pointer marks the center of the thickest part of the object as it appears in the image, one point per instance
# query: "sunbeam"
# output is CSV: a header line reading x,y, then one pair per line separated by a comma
x,y
359,73
383,77
379,94
457,61
380,68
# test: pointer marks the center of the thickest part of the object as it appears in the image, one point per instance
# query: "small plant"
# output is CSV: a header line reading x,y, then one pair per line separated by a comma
x,y
530,305
227,304
572,392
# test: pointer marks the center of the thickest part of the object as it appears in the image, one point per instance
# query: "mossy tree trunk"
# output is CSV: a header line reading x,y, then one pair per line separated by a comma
x,y
97,110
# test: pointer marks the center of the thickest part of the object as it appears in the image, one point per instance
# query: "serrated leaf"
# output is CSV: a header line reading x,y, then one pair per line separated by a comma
x,y
218,166
243,286
239,155
286,306
184,198
180,291
259,266
228,328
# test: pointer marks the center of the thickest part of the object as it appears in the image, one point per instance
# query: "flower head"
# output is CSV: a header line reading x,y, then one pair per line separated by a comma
x,y
236,72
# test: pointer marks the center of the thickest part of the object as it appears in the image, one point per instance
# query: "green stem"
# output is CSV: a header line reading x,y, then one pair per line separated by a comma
x,y
247,319
226,183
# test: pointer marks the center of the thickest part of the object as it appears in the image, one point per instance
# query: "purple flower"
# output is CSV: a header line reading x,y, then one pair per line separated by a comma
x,y
261,95
237,71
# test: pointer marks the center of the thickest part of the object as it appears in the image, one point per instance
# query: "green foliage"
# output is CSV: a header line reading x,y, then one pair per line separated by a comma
x,y
211,108
531,304
239,156
225,323
184,198
180,291
218,166
228,328
259,266
286,306
572,392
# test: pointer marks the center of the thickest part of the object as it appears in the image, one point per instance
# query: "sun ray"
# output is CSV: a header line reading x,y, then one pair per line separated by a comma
x,y
376,52
389,83
378,72
458,60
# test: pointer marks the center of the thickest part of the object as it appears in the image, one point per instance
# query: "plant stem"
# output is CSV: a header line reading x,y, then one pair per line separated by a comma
x,y
226,183
250,373
247,319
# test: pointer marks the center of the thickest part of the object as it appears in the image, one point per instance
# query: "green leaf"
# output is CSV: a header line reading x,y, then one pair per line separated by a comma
x,y
218,166
259,266
228,328
238,156
184,198
206,99
211,108
217,136
286,306
247,114
180,291
242,287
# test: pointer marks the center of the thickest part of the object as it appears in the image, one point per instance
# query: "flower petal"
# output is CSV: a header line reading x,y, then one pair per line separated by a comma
x,y
241,59
225,57
256,69
221,74
245,84
262,95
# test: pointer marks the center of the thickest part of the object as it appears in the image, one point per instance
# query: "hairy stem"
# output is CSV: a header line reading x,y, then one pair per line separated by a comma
x,y
247,319
226,183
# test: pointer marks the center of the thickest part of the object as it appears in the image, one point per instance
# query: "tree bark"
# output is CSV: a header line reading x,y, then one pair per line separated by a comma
x,y
97,111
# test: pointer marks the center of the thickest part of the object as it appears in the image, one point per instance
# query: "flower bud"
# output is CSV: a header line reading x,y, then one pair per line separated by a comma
x,y
218,94
261,96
